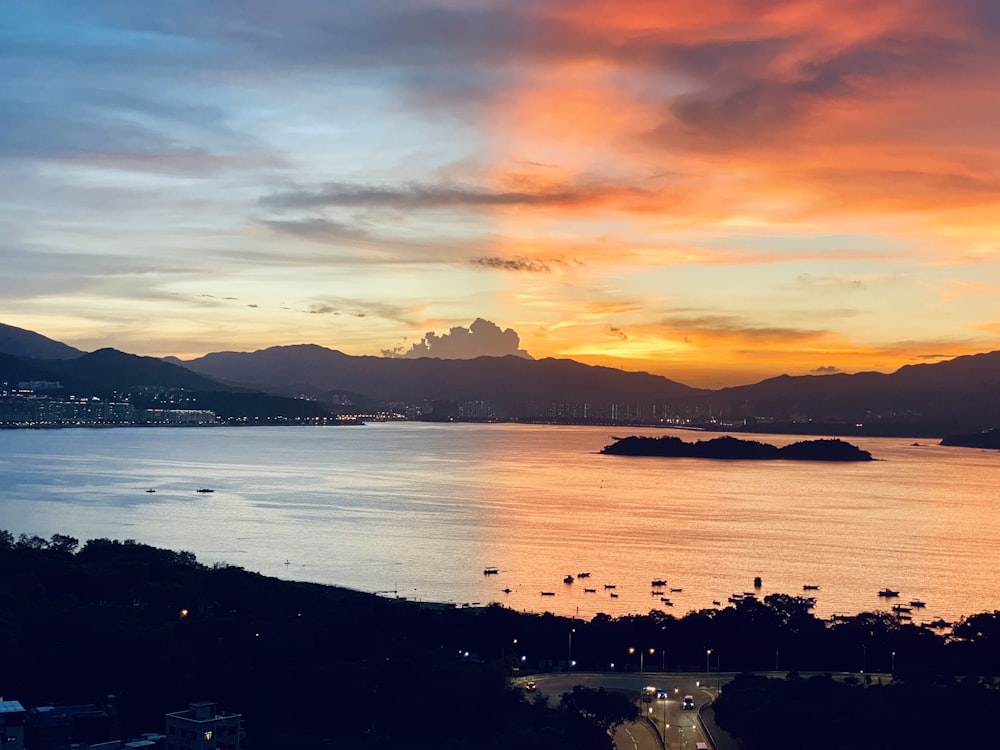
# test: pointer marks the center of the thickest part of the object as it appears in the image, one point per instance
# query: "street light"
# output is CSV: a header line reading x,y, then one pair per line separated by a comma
x,y
708,653
642,654
569,652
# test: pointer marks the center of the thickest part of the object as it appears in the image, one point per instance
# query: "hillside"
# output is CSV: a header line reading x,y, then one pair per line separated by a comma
x,y
314,370
958,395
19,342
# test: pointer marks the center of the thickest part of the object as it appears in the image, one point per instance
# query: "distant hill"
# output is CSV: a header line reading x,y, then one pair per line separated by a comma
x,y
148,381
30,345
314,370
957,395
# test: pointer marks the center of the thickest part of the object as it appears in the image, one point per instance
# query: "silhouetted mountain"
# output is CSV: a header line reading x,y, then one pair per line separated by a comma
x,y
730,448
149,382
113,370
30,345
958,395
313,370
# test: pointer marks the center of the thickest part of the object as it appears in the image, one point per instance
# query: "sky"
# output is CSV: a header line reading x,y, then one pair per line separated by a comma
x,y
715,192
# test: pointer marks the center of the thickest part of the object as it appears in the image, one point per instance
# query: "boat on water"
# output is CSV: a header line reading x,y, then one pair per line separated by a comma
x,y
150,490
583,575
888,593
568,579
666,601
900,608
917,603
657,582
590,591
205,489
548,593
810,587
490,571
610,586
676,591
506,591
614,595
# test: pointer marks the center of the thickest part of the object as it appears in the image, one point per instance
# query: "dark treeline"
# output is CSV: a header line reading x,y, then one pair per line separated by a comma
x,y
307,664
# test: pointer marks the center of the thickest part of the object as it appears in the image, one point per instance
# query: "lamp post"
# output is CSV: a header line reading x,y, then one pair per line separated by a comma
x,y
569,652
892,671
708,653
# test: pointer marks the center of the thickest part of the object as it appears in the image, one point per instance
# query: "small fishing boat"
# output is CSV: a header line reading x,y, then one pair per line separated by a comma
x,y
548,593
568,579
657,582
610,586
917,603
583,575
810,587
490,571
590,591
614,595
888,593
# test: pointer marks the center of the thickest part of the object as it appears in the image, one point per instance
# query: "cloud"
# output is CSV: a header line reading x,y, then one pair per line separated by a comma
x,y
618,333
825,370
481,339
437,195
519,263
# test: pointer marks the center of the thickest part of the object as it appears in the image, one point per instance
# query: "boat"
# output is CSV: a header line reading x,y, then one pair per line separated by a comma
x,y
150,490
810,587
583,575
205,489
610,586
548,593
490,571
716,602
614,595
939,624
590,591
666,601
676,591
568,579
917,603
506,591
888,593
657,582
900,608
757,582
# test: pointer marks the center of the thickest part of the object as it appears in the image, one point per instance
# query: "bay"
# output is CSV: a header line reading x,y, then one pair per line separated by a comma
x,y
420,510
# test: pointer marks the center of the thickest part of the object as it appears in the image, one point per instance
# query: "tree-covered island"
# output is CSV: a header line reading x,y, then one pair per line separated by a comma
x,y
736,449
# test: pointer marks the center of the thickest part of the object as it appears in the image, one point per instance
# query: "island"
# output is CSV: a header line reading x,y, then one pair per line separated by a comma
x,y
988,439
733,448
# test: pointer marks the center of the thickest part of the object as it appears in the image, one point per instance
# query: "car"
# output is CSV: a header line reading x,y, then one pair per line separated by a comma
x,y
662,694
688,702
530,686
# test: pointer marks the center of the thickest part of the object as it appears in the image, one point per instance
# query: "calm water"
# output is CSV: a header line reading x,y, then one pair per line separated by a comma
x,y
422,509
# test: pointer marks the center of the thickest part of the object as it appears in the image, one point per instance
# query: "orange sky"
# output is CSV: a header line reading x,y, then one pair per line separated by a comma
x,y
717,193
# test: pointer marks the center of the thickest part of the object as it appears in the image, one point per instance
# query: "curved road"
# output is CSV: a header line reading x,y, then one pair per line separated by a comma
x,y
682,727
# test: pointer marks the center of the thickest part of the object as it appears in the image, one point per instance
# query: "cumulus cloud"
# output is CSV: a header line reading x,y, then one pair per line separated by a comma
x,y
483,338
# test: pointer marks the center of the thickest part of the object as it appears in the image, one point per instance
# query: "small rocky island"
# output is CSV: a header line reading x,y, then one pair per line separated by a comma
x,y
733,448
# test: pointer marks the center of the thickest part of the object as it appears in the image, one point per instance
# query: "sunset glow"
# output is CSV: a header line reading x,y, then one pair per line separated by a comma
x,y
717,194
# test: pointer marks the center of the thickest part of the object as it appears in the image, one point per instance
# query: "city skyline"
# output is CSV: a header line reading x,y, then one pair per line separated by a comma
x,y
716,196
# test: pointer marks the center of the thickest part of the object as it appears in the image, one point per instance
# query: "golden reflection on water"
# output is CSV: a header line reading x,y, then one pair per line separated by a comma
x,y
710,527
421,510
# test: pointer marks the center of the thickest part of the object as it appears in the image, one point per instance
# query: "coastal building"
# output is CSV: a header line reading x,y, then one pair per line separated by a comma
x,y
12,716
203,727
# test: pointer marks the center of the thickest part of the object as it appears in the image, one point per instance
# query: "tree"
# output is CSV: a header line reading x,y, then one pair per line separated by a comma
x,y
604,708
63,543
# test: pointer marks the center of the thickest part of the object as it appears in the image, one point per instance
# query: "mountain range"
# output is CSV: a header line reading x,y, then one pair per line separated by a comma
x,y
961,395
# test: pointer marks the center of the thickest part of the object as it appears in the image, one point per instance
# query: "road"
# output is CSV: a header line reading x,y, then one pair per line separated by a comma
x,y
681,726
